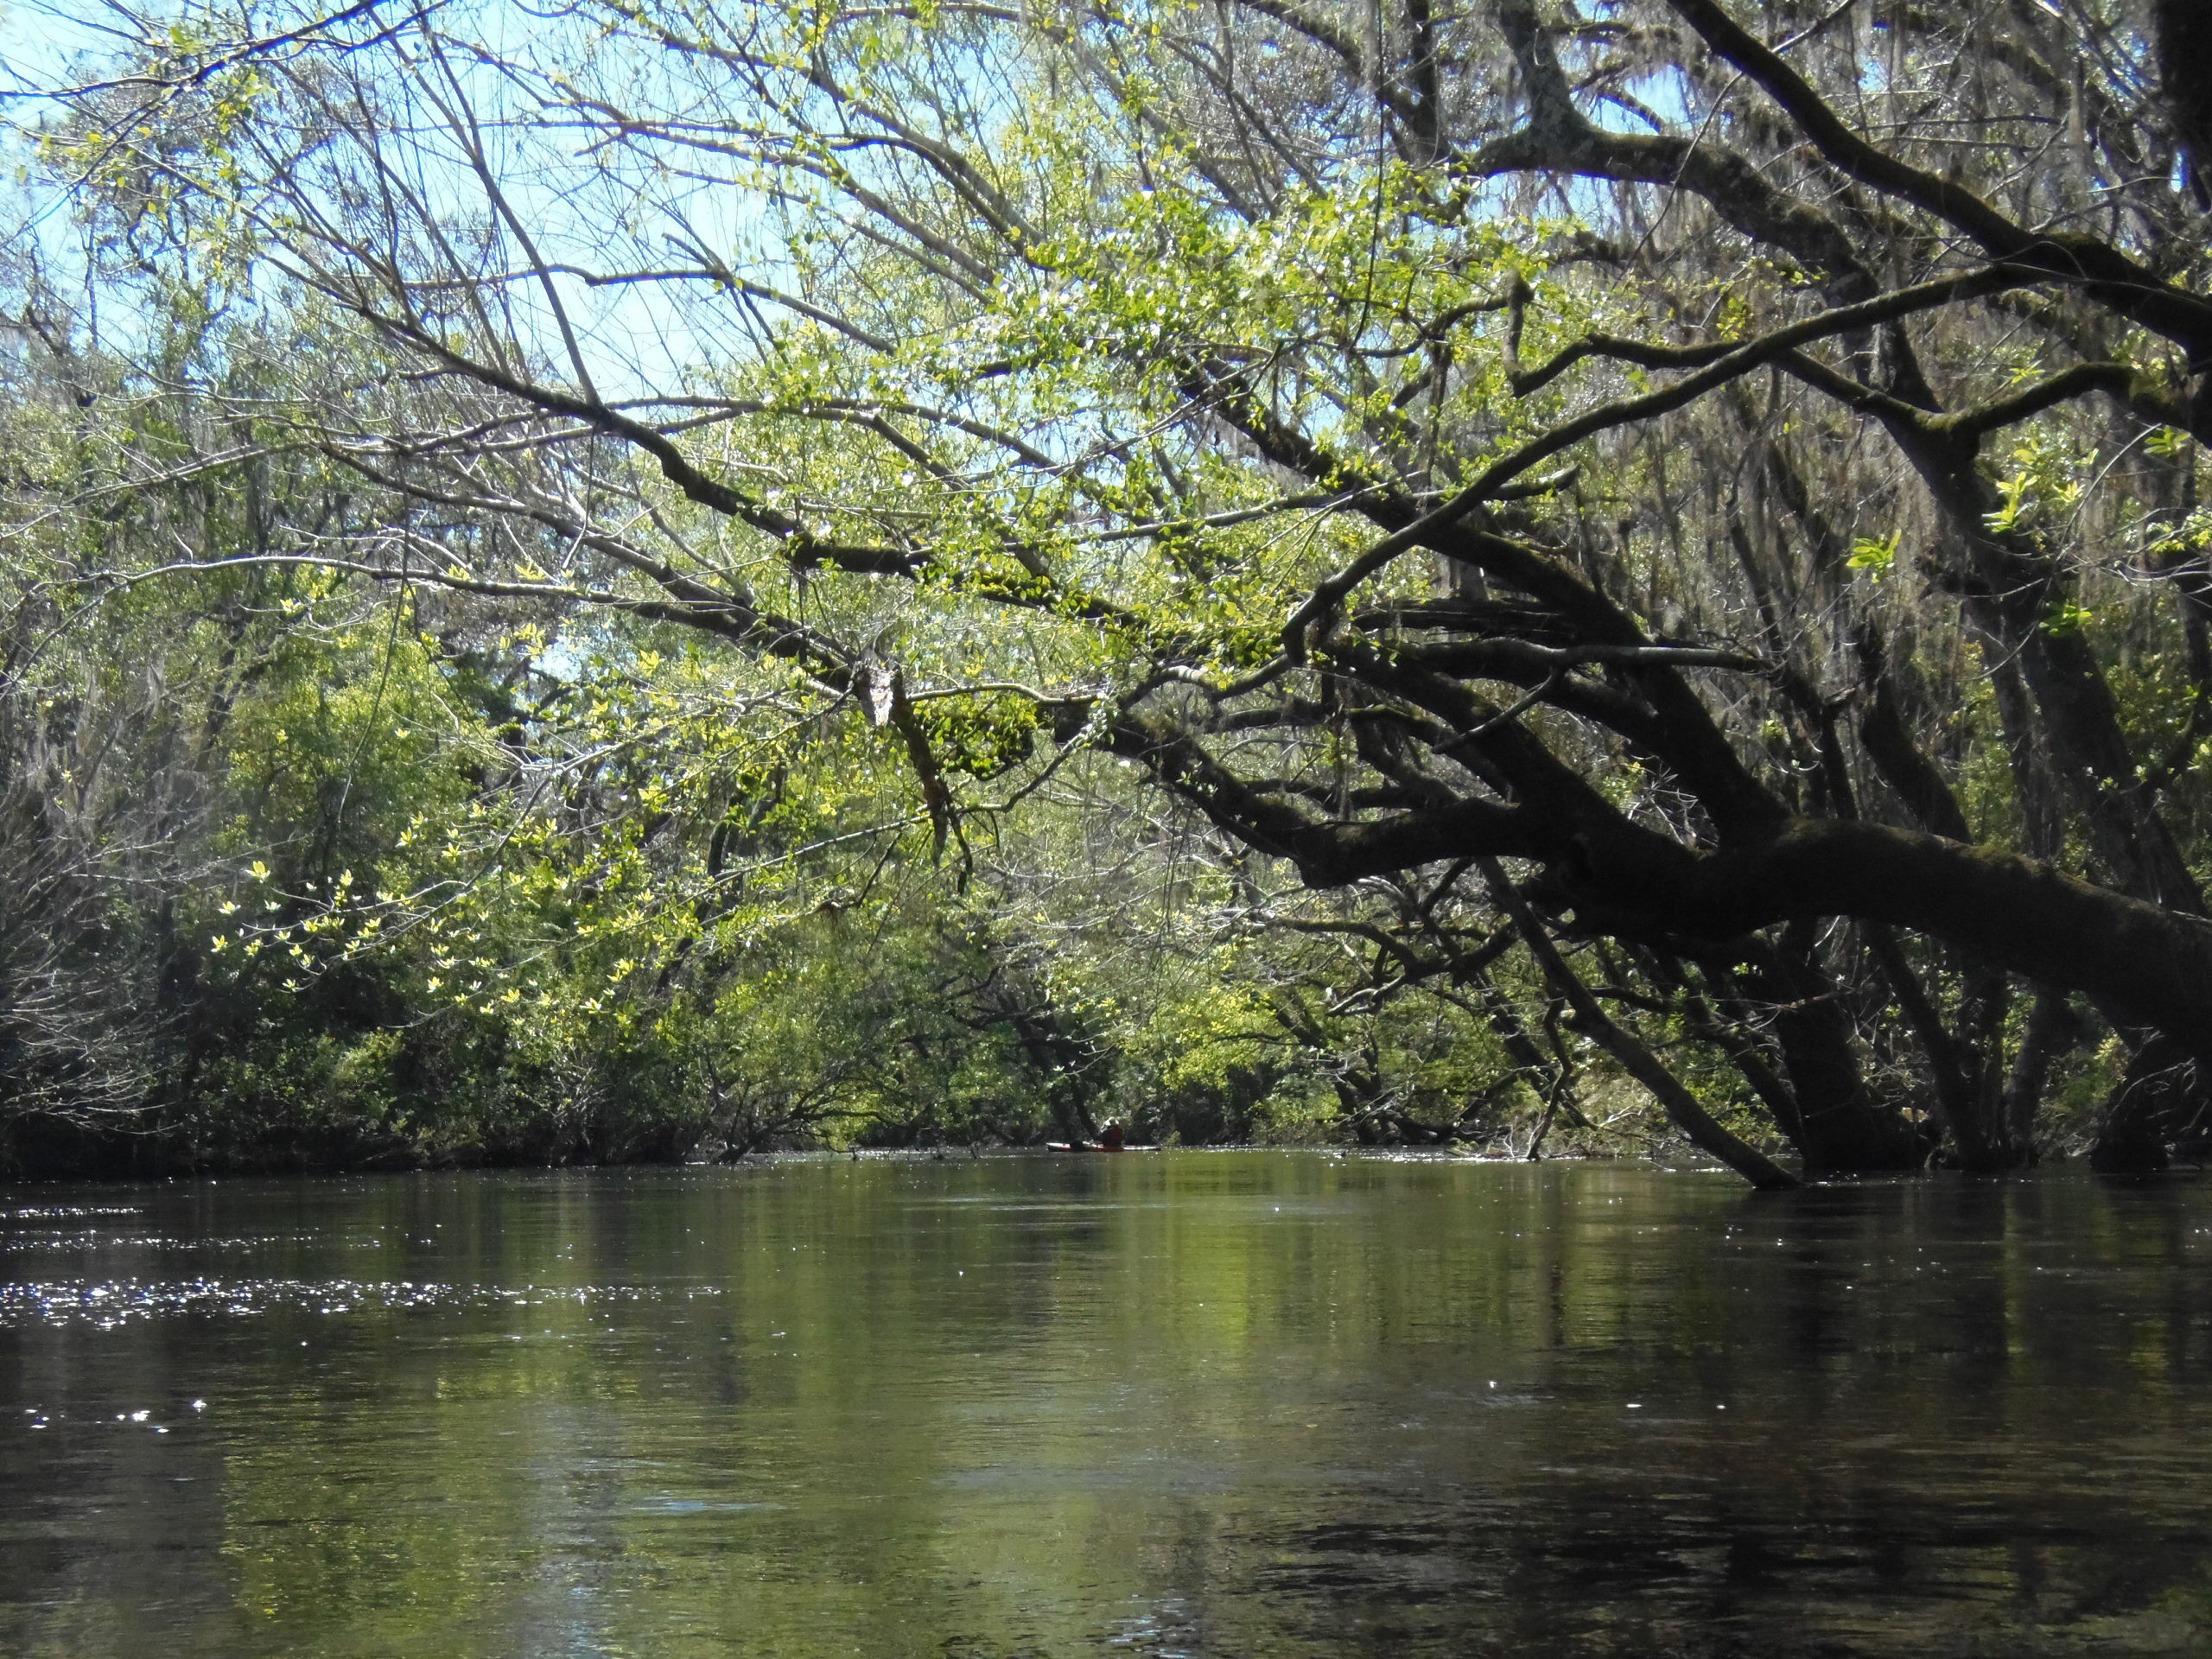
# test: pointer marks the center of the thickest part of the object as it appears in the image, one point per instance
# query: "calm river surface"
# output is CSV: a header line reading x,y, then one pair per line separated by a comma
x,y
1205,1403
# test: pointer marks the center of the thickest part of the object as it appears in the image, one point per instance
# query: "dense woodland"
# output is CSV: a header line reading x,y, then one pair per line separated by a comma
x,y
645,578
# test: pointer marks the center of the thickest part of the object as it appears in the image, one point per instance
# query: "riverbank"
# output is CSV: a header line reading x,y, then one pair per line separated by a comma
x,y
61,1151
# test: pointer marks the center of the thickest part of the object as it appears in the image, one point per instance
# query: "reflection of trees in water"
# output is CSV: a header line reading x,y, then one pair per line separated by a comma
x,y
1218,1404
1679,1577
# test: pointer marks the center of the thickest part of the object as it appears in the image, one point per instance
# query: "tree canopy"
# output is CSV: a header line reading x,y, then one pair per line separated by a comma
x,y
1666,534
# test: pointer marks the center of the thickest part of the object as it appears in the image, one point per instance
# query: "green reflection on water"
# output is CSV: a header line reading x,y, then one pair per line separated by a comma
x,y
1224,1404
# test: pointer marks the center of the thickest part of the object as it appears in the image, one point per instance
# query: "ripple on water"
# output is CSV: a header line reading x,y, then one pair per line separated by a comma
x,y
105,1304
67,1211
93,1239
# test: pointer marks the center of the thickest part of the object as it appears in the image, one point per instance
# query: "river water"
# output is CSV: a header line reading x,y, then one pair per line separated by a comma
x,y
1235,1404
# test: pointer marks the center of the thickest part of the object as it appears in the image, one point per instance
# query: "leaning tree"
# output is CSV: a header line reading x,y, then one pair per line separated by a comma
x,y
1702,498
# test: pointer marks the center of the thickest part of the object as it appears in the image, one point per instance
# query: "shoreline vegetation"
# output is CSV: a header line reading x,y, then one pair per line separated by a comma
x,y
340,1147
1601,574
113,1172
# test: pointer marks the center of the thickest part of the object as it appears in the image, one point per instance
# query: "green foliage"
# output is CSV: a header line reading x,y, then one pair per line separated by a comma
x,y
1877,558
720,539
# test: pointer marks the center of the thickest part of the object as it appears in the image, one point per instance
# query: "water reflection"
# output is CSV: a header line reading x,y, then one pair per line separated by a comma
x,y
1220,1404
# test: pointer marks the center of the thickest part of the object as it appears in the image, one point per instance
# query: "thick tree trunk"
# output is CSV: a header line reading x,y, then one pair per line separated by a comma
x,y
2053,1028
1951,1069
1841,1129
2183,32
2017,915
2158,1103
